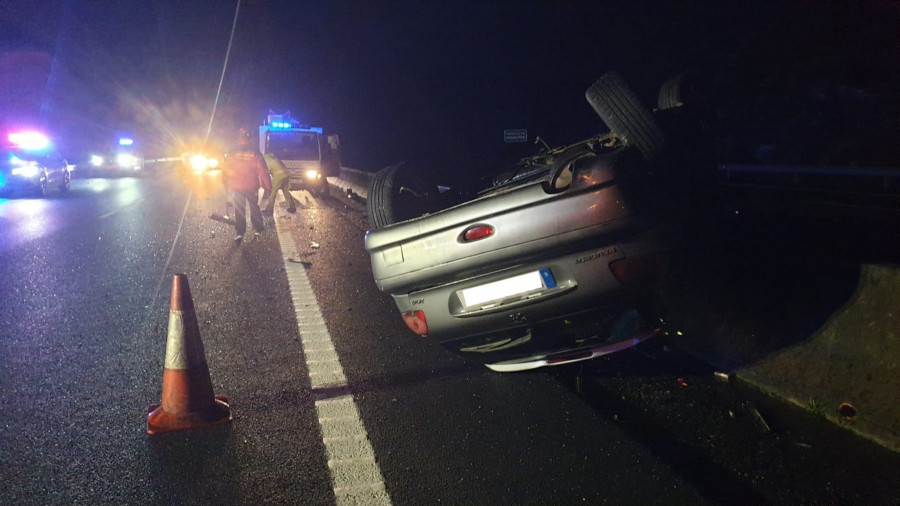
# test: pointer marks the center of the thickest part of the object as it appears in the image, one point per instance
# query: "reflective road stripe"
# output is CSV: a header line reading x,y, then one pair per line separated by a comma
x,y
355,475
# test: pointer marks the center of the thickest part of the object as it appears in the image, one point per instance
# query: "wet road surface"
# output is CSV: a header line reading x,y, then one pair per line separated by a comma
x,y
83,324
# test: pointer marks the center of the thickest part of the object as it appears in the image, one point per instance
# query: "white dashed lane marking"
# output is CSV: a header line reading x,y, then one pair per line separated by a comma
x,y
355,475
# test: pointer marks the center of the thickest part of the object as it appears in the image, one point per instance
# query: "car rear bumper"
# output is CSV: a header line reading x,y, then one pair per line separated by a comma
x,y
562,340
581,281
571,355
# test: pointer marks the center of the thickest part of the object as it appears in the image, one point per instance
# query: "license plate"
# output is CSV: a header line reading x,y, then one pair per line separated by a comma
x,y
509,287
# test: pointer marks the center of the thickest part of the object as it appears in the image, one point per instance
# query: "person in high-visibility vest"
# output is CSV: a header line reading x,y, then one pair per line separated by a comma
x,y
281,180
244,172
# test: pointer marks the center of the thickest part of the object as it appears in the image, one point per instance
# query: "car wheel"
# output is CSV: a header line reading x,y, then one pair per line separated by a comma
x,y
685,89
624,114
67,182
670,94
397,194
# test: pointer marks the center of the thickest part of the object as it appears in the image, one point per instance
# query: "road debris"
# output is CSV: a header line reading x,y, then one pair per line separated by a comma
x,y
758,418
847,411
722,376
313,244
221,218
306,265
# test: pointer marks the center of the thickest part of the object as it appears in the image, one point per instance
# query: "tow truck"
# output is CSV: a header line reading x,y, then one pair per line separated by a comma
x,y
309,154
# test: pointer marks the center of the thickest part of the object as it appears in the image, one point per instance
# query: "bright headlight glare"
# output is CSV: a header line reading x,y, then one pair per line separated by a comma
x,y
125,160
198,163
312,174
96,160
213,163
28,169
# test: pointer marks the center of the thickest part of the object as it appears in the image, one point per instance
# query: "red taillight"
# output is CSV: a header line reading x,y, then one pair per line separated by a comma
x,y
639,272
476,232
415,320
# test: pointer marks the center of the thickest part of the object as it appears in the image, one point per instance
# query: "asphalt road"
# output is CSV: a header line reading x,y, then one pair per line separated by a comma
x,y
82,341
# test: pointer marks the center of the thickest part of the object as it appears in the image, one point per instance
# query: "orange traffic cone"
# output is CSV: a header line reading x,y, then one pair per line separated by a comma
x,y
187,395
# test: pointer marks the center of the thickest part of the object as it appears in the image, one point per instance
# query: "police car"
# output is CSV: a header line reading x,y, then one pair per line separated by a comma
x,y
29,165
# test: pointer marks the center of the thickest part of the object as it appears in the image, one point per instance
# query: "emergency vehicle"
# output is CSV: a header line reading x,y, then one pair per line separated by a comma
x,y
309,155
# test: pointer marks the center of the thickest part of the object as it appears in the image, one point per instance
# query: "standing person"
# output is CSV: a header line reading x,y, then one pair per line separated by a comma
x,y
244,170
280,181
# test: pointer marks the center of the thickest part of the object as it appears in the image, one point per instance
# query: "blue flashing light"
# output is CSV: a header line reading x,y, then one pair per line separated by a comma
x,y
284,125
125,141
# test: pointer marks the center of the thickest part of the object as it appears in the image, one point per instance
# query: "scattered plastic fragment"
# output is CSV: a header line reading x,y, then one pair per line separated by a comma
x,y
313,244
682,382
722,376
759,419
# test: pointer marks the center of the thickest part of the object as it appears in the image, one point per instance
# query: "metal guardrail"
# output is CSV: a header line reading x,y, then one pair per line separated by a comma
x,y
885,180
354,182
359,177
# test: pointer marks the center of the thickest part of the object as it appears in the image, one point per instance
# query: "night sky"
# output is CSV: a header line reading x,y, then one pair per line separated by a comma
x,y
436,83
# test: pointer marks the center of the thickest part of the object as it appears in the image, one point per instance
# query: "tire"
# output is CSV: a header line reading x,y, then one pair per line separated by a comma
x,y
66,184
670,94
685,89
396,194
624,114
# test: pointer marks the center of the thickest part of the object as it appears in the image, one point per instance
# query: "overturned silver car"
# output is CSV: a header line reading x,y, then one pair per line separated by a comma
x,y
556,261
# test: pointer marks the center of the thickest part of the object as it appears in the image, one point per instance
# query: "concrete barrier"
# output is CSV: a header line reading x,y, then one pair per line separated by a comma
x,y
853,361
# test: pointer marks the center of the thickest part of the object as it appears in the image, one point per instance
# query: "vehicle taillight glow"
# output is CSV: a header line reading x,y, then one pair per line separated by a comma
x,y
477,232
415,320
